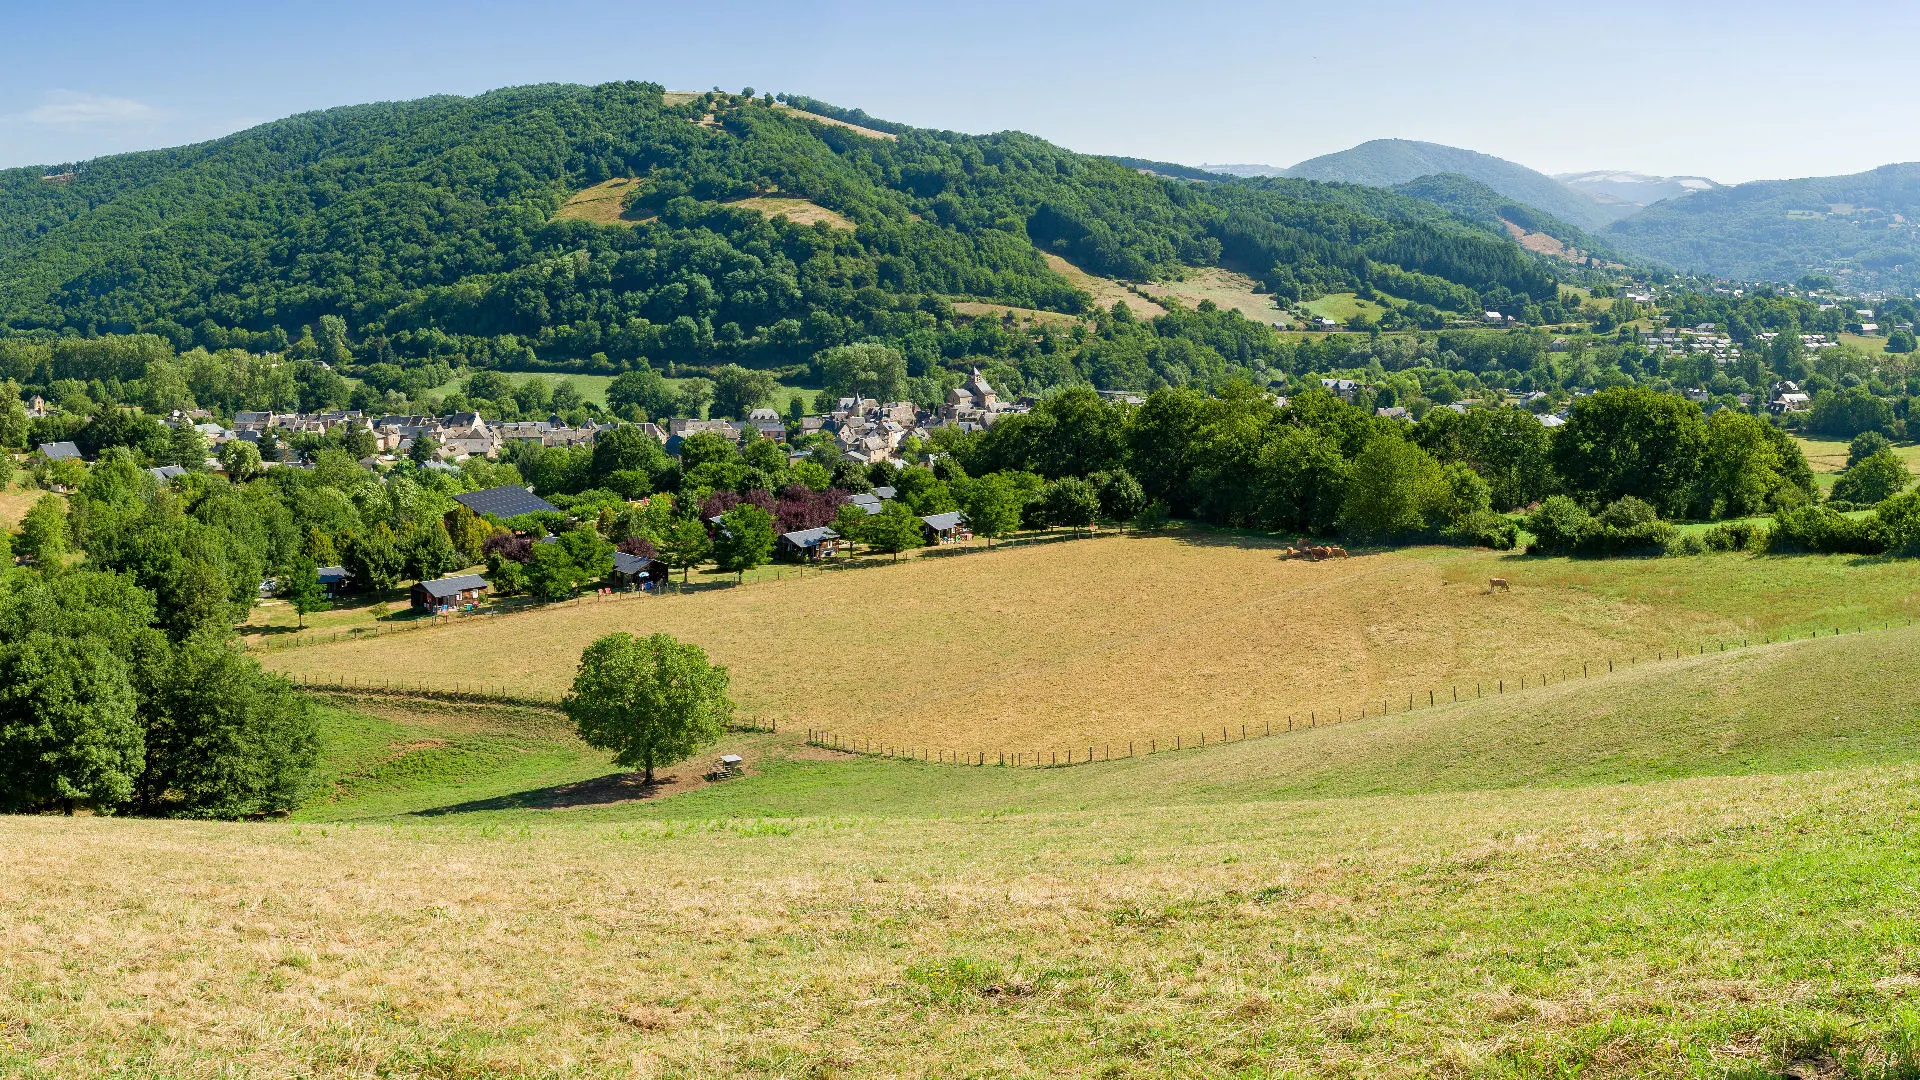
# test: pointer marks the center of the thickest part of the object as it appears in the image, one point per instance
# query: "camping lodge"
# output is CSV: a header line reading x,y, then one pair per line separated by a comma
x,y
442,595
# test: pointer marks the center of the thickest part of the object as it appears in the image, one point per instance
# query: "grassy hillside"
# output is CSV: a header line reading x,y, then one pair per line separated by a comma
x,y
1124,639
594,226
1861,224
1387,162
1708,876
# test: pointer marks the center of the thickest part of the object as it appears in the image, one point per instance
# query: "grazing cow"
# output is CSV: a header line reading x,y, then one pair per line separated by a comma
x,y
1337,552
1499,584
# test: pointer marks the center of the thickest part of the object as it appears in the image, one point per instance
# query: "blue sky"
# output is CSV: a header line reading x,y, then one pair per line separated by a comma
x,y
1734,91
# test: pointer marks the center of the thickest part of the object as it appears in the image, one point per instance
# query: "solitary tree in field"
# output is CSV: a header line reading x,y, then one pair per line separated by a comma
x,y
303,590
652,701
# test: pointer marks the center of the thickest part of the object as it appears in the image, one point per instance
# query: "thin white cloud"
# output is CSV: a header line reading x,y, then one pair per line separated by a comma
x,y
73,108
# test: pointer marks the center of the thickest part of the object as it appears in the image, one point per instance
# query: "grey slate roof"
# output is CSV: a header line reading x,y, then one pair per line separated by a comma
x,y
943,522
59,451
506,502
333,575
441,588
167,472
631,565
806,538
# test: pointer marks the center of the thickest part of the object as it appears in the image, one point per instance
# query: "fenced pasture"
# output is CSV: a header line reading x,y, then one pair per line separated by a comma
x,y
1101,642
1686,867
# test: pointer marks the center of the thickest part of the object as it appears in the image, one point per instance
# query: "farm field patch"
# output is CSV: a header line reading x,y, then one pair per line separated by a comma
x,y
1342,306
984,309
1105,291
1103,641
1227,289
871,133
1738,712
1828,457
798,211
15,501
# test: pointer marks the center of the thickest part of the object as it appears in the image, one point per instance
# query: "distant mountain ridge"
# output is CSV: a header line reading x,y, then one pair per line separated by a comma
x,y
1639,189
1387,162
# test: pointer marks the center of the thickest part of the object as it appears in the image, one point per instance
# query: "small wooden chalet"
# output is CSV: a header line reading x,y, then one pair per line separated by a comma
x,y
947,528
806,545
462,593
337,580
637,571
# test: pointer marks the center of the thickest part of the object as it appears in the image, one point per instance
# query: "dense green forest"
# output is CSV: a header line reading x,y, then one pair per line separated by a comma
x,y
428,229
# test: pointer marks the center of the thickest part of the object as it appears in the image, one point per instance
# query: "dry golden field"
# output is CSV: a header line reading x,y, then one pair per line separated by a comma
x,y
983,309
1142,639
798,211
1225,288
870,133
14,504
1105,291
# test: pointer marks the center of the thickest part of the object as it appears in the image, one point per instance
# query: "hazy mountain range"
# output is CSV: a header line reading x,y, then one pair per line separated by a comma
x,y
1863,229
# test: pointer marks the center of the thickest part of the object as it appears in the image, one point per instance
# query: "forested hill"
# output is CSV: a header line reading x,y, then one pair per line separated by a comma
x,y
1866,225
1475,201
1387,162
434,227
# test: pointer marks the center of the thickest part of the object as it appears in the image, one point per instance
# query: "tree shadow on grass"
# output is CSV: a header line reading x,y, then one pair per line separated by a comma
x,y
622,787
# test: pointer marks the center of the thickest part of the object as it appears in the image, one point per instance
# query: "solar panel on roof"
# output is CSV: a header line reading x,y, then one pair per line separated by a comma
x,y
504,502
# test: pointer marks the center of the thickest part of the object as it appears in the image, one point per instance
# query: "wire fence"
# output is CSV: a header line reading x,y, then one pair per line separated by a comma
x,y
467,693
1452,694
1092,753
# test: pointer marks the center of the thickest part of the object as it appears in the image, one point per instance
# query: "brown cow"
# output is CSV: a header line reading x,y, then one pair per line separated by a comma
x,y
1498,583
1337,552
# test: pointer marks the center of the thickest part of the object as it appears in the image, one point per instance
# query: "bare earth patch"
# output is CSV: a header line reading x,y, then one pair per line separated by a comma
x,y
1534,241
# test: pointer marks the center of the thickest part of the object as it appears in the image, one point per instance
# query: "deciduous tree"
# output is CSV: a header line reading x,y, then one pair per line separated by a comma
x,y
652,701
